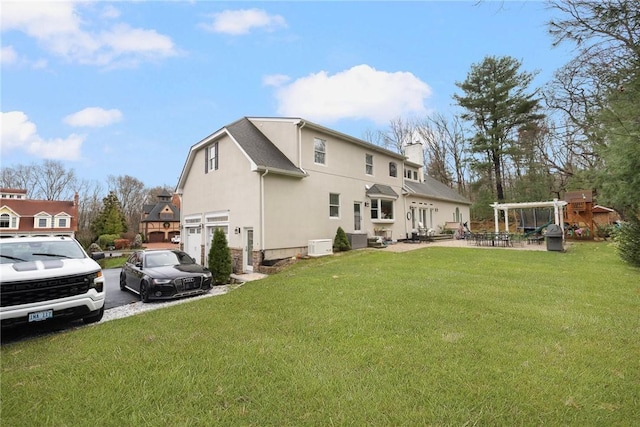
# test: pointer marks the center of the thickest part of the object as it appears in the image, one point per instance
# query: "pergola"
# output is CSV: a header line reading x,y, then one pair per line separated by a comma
x,y
557,205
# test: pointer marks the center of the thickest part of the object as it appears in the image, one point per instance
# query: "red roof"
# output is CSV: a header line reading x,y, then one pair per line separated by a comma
x,y
28,209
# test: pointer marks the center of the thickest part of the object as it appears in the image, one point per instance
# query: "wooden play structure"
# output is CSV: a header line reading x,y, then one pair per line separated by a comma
x,y
578,214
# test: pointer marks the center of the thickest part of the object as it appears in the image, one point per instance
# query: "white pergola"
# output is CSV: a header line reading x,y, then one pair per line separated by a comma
x,y
557,205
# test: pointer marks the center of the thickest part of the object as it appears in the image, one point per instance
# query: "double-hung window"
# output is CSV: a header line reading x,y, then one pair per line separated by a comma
x,y
319,151
368,160
213,157
334,205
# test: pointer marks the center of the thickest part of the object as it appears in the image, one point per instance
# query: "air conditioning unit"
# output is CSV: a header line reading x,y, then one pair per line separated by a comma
x,y
320,247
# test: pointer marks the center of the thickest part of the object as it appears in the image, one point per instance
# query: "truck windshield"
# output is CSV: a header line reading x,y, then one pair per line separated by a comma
x,y
12,252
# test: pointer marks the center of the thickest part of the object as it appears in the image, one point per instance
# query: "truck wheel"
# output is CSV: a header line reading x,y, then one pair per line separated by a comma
x,y
94,317
144,292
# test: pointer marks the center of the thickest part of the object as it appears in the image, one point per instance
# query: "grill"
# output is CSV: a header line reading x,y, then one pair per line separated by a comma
x,y
188,283
16,293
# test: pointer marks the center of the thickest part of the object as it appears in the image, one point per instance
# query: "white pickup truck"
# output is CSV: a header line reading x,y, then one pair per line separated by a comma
x,y
48,278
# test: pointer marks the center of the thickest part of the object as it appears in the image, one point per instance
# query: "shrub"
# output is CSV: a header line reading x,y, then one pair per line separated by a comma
x,y
219,260
628,242
341,242
121,243
94,247
106,240
137,241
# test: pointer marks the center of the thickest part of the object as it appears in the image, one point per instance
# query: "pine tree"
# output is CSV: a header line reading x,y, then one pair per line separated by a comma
x,y
110,220
341,242
219,260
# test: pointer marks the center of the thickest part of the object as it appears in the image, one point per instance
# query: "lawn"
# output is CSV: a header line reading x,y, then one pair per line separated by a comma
x,y
436,336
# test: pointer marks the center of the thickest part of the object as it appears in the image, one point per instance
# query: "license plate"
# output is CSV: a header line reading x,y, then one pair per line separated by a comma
x,y
40,316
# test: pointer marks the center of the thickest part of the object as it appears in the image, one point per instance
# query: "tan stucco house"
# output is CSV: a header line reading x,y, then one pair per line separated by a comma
x,y
281,187
161,220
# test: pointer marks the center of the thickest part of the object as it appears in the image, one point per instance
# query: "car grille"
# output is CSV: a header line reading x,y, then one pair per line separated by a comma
x,y
188,283
16,293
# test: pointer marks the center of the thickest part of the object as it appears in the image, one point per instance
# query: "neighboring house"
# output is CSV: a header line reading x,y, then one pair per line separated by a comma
x,y
21,217
161,221
275,184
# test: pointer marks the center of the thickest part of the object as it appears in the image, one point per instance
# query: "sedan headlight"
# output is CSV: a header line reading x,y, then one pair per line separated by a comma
x,y
161,281
207,274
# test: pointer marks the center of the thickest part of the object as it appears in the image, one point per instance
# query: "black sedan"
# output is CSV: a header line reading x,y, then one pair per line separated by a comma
x,y
164,274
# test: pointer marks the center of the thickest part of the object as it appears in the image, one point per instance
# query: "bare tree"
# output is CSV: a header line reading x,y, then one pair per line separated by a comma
x,y
90,196
445,144
53,181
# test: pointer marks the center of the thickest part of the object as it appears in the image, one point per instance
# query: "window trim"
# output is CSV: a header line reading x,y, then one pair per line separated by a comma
x,y
213,156
377,208
368,164
322,152
333,205
393,169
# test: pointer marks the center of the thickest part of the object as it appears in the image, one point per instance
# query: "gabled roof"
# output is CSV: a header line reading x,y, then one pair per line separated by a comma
x,y
434,189
260,149
30,208
381,190
154,213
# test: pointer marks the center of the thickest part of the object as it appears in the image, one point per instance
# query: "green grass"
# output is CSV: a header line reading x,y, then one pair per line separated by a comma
x,y
113,262
436,336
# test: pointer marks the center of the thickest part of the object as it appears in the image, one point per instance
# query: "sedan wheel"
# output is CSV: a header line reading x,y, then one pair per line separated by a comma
x,y
123,281
144,292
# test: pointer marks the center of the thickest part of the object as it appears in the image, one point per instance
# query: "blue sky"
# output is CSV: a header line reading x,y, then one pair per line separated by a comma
x,y
126,88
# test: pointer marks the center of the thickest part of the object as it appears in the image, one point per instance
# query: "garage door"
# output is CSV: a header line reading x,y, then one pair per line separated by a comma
x,y
192,243
155,237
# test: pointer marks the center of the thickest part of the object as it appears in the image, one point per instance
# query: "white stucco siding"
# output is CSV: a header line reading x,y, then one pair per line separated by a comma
x,y
298,211
232,187
438,212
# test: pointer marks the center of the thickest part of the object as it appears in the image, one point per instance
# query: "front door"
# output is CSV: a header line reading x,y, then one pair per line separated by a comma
x,y
247,251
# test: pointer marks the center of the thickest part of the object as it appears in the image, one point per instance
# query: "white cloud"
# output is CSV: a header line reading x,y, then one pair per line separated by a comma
x,y
361,92
93,117
18,133
275,80
61,30
238,22
8,55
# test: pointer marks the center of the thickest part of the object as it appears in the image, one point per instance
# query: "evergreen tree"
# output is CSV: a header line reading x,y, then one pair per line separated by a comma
x,y
628,242
497,103
219,260
110,220
341,242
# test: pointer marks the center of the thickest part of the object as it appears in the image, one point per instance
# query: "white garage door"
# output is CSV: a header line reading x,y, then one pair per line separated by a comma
x,y
193,242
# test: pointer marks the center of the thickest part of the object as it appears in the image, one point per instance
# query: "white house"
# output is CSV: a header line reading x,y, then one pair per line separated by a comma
x,y
275,184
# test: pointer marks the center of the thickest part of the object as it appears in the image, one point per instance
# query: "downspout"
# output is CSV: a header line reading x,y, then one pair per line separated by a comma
x,y
262,233
300,143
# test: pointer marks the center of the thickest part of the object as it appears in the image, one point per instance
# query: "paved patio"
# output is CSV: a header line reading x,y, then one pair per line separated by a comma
x,y
454,243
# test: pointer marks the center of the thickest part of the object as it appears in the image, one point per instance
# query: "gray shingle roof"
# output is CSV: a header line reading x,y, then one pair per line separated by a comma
x,y
260,149
154,213
381,190
434,189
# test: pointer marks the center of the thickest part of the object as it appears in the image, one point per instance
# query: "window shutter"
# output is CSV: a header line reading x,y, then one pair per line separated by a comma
x,y
206,160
